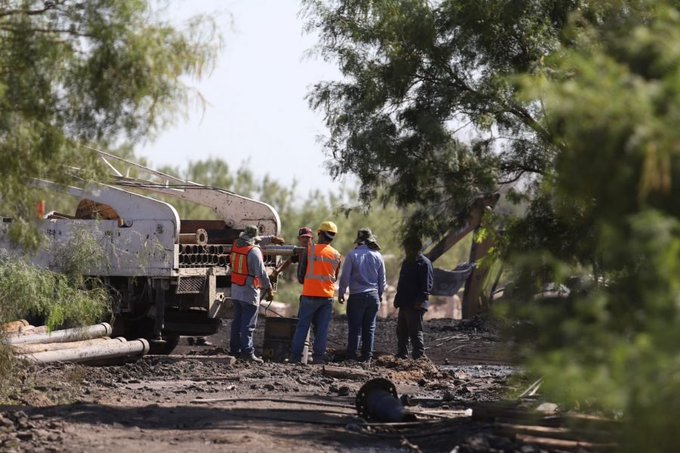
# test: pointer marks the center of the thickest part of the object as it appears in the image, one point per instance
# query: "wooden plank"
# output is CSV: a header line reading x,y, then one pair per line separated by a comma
x,y
345,373
564,444
225,359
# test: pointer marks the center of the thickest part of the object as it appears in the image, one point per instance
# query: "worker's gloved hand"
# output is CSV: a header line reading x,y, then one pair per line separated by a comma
x,y
269,295
341,299
278,240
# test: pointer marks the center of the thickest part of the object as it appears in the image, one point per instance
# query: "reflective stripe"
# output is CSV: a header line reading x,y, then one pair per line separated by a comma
x,y
239,266
323,278
322,264
327,260
237,261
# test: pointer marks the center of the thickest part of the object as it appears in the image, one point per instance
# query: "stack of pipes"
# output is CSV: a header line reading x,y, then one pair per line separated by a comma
x,y
82,344
195,255
207,255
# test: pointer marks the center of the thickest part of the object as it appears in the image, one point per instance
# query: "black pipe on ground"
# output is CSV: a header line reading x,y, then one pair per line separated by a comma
x,y
377,401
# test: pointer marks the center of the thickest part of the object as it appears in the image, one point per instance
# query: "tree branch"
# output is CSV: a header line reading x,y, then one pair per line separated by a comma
x,y
31,12
13,29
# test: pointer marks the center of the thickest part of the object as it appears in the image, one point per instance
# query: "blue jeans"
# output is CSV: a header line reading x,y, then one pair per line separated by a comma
x,y
362,311
313,311
242,328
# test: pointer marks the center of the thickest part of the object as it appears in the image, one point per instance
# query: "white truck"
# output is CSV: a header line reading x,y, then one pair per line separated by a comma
x,y
168,276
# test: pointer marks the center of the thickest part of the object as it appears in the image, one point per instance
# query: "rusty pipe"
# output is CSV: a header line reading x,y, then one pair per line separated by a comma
x,y
60,336
200,237
115,348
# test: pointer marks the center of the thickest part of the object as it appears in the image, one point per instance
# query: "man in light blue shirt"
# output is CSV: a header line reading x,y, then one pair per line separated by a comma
x,y
364,273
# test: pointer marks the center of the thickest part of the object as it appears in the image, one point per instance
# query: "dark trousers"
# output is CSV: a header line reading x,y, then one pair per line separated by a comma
x,y
362,311
410,327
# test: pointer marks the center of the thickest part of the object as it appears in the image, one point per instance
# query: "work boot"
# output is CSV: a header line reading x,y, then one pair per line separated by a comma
x,y
252,358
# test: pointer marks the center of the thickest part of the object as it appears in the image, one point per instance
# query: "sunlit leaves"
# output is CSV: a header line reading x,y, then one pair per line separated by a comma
x,y
102,72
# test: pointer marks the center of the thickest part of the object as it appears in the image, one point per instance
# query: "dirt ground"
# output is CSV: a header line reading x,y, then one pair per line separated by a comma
x,y
202,404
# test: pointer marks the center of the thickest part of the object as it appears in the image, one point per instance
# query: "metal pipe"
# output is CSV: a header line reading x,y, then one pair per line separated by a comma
x,y
283,250
377,400
199,237
118,347
41,347
60,336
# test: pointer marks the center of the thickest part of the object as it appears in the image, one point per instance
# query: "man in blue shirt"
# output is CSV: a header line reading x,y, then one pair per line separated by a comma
x,y
413,290
364,273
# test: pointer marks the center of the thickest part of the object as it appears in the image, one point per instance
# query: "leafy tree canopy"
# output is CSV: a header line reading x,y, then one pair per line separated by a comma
x,y
578,102
101,72
417,75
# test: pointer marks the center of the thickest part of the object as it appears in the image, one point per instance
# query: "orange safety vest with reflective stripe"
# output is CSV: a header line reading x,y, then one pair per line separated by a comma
x,y
322,262
239,265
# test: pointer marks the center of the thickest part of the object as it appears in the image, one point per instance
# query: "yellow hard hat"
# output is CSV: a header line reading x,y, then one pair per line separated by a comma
x,y
328,227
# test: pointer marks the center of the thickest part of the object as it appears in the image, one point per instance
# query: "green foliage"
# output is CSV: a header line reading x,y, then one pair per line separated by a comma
x,y
8,381
102,71
68,298
418,77
28,291
78,256
611,219
576,104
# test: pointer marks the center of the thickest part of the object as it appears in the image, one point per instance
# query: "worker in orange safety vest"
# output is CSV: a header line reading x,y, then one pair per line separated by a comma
x,y
318,271
248,278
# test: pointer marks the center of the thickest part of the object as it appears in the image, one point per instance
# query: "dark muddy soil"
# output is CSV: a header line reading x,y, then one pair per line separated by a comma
x,y
208,404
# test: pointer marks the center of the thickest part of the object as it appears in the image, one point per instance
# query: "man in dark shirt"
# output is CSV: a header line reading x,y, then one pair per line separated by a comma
x,y
413,290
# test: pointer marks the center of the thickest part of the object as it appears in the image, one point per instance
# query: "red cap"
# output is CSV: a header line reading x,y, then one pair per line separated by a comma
x,y
305,232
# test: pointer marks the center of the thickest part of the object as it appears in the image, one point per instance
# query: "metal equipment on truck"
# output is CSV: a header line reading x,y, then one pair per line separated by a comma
x,y
168,276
